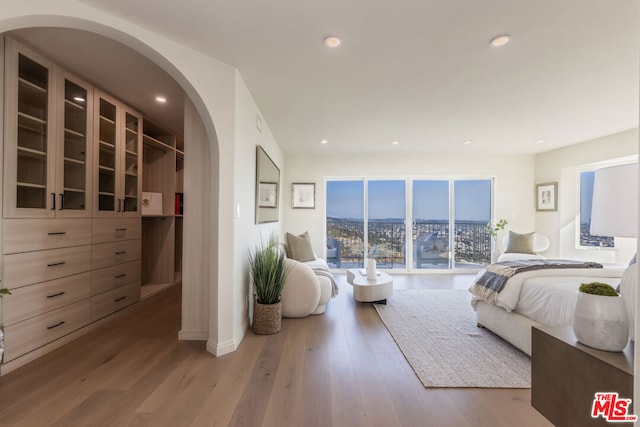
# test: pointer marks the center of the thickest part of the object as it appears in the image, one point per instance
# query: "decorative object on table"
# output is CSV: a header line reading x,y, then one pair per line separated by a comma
x,y
151,203
600,318
547,197
268,275
372,274
303,195
493,231
267,184
614,212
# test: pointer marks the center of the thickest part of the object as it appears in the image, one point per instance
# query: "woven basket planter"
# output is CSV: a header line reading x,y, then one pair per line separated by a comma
x,y
267,318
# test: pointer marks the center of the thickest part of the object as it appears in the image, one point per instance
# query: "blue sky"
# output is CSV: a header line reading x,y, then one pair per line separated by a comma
x,y
586,195
431,199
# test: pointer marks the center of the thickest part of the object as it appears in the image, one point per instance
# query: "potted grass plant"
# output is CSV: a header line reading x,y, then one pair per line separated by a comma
x,y
600,318
268,275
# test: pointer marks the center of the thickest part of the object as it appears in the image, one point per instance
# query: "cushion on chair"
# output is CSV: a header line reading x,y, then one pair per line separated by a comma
x,y
301,292
299,247
520,243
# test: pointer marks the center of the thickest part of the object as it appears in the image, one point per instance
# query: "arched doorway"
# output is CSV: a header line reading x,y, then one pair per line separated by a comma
x,y
201,272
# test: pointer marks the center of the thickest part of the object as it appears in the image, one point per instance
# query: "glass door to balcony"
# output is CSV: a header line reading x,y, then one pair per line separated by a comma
x,y
431,214
386,219
447,223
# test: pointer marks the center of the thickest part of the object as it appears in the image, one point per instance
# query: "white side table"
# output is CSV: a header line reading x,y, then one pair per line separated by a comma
x,y
365,290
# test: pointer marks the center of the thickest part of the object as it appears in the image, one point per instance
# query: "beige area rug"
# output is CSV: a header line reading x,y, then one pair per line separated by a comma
x,y
436,330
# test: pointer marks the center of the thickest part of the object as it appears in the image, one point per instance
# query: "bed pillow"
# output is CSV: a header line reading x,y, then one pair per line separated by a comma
x,y
520,243
299,247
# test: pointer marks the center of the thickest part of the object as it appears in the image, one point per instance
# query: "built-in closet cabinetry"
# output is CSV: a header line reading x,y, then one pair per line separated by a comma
x,y
161,226
72,232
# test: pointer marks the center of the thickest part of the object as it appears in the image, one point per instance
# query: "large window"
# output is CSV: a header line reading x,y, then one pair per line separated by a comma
x,y
373,218
586,196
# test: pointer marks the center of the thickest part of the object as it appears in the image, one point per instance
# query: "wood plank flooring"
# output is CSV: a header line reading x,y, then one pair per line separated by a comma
x,y
338,369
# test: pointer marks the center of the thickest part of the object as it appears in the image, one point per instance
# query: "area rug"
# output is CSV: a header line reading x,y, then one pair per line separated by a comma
x,y
436,330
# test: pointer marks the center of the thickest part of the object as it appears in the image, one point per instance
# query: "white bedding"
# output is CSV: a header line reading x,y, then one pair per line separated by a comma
x,y
551,300
511,294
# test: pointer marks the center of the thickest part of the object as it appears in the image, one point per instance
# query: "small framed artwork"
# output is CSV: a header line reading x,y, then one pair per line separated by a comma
x,y
268,195
303,195
547,197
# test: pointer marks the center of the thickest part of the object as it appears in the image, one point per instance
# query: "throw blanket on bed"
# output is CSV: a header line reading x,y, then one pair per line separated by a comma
x,y
324,271
489,284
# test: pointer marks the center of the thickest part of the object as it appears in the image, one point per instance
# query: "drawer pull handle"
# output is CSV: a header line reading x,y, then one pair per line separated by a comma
x,y
119,276
56,295
56,325
54,264
121,229
57,233
119,299
121,252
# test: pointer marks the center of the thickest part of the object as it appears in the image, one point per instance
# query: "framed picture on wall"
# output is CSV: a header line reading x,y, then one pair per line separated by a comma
x,y
547,197
303,195
268,195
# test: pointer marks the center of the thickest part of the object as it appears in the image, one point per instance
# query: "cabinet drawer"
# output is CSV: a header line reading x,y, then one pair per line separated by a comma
x,y
24,235
105,304
106,279
32,300
30,334
34,267
106,254
111,230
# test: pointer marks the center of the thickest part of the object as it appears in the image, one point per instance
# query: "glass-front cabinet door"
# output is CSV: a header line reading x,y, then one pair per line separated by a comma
x,y
118,158
74,151
106,156
29,172
132,164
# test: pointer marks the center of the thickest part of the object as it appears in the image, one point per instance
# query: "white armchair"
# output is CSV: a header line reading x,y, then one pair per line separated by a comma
x,y
304,292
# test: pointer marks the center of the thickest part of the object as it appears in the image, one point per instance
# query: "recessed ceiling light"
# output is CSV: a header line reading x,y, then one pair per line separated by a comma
x,y
539,141
332,41
161,99
79,99
500,40
324,141
467,142
395,142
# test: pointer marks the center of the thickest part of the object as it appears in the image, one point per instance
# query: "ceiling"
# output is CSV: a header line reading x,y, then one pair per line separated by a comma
x,y
419,72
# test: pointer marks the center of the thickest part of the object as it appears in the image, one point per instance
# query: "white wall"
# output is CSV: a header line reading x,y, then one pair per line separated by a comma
x,y
514,182
562,166
247,233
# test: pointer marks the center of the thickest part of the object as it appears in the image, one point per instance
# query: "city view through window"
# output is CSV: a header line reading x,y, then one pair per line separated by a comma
x,y
586,196
380,231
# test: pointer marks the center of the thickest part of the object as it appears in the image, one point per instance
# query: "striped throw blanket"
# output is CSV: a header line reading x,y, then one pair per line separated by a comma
x,y
488,285
324,271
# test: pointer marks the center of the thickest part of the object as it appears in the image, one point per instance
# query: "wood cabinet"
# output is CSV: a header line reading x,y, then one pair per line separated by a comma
x,y
118,160
47,170
71,227
161,232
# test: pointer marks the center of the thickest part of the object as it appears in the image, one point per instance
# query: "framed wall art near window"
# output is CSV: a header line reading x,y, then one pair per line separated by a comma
x,y
547,197
303,195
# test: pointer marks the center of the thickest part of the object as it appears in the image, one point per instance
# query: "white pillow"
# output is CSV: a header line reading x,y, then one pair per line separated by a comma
x,y
628,285
515,256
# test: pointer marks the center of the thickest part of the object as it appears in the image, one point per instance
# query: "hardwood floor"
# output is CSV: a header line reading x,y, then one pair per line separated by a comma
x,y
338,369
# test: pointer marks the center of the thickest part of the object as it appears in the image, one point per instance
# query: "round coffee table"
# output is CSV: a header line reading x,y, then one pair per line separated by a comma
x,y
365,290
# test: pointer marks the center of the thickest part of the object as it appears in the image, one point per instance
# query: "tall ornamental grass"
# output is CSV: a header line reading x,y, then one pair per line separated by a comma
x,y
267,271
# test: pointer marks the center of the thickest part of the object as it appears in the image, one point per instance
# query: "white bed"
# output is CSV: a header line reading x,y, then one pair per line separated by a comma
x,y
539,297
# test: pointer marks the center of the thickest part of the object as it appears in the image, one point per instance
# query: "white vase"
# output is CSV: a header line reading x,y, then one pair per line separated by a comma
x,y
601,322
371,269
495,254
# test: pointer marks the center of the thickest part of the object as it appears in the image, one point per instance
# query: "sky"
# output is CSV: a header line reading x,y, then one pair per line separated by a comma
x,y
431,199
586,195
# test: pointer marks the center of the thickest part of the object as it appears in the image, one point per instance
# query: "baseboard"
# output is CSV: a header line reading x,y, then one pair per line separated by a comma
x,y
222,348
193,335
